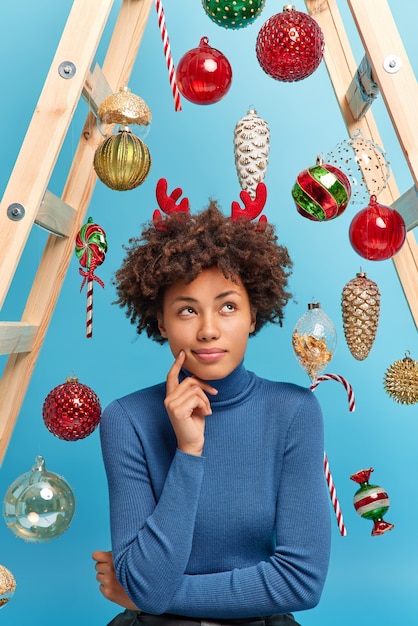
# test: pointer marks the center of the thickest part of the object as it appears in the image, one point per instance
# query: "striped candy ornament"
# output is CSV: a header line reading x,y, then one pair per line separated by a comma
x,y
371,502
321,192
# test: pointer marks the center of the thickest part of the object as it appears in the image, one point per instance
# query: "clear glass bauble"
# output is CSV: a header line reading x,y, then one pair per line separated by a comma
x,y
314,340
39,505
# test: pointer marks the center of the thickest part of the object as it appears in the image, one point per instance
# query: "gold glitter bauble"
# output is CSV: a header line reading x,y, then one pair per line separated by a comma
x,y
122,161
360,303
7,585
401,380
125,108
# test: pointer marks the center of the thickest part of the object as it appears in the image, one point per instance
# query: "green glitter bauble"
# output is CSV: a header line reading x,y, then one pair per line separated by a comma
x,y
233,13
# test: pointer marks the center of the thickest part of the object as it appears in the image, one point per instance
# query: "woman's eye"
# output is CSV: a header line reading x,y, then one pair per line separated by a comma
x,y
187,311
228,307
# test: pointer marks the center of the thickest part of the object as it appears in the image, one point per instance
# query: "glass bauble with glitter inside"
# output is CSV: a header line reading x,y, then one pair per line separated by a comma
x,y
72,410
204,74
377,232
290,45
314,340
122,161
401,380
39,505
233,13
7,586
321,192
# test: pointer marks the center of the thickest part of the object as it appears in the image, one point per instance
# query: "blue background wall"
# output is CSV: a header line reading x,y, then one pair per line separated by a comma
x,y
372,580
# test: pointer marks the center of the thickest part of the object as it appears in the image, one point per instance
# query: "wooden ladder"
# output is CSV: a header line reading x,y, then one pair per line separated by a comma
x,y
399,90
27,200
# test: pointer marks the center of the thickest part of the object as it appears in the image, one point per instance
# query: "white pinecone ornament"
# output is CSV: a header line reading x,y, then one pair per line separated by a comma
x,y
360,305
251,148
401,380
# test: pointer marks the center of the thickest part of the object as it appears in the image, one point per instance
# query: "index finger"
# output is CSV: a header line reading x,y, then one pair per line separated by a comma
x,y
173,374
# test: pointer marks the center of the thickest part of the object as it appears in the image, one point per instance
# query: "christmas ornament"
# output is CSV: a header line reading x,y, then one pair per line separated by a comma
x,y
122,161
364,163
252,147
167,54
124,108
204,74
321,192
371,502
290,45
233,13
360,303
377,232
314,340
71,411
401,380
7,586
90,249
39,505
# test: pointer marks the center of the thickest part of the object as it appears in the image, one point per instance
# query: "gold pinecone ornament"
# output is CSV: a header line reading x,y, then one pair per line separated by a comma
x,y
251,148
401,380
360,303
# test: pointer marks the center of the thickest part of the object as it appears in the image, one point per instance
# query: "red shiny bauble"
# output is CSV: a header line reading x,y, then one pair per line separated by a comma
x,y
290,45
204,74
377,232
71,411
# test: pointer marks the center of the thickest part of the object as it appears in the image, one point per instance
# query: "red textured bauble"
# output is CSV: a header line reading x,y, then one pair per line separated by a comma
x,y
290,45
204,74
71,411
377,232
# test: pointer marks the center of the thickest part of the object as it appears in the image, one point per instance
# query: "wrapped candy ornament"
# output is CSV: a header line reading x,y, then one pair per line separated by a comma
x,y
39,505
371,502
314,340
251,148
71,411
360,303
321,192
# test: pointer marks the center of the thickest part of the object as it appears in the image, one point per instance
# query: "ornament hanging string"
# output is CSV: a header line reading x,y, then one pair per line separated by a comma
x,y
327,471
168,55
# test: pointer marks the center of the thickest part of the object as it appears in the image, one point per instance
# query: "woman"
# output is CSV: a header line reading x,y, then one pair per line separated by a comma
x,y
219,509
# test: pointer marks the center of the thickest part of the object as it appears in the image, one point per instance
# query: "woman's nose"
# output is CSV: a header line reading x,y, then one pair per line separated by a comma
x,y
208,329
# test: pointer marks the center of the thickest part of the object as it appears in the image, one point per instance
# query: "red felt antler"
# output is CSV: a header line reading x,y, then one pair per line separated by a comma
x,y
253,207
168,204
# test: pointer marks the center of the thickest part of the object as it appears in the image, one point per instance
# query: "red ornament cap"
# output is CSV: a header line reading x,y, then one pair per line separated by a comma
x,y
204,74
377,232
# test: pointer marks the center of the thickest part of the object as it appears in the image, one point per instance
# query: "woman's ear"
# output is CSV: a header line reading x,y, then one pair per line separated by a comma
x,y
253,320
161,326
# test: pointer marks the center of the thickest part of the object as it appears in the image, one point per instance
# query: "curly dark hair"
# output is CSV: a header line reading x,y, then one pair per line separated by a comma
x,y
188,244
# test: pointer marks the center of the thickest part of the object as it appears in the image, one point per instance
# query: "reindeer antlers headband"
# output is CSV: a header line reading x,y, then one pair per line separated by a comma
x,y
168,204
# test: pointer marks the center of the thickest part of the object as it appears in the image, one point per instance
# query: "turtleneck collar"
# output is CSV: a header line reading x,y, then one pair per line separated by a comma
x,y
231,388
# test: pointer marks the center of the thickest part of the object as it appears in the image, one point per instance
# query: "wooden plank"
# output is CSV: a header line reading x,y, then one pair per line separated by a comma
x,y
119,61
407,206
16,337
341,68
47,129
55,215
96,89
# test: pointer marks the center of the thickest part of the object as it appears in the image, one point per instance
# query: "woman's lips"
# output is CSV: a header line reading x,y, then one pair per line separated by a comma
x,y
209,354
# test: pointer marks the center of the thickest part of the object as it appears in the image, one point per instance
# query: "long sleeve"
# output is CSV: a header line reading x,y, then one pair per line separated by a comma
x,y
292,578
240,532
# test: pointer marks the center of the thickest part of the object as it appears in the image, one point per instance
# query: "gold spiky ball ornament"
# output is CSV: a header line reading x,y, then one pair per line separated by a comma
x,y
401,380
360,304
251,149
7,586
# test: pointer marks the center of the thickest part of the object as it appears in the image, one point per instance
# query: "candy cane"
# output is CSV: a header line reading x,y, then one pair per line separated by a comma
x,y
89,310
328,475
167,54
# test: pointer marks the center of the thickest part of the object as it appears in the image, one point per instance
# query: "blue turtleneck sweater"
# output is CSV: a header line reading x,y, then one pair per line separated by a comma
x,y
242,531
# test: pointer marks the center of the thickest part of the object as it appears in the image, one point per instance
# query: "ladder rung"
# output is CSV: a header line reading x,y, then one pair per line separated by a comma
x,y
55,215
96,88
16,337
407,206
